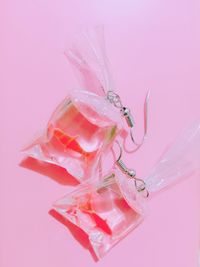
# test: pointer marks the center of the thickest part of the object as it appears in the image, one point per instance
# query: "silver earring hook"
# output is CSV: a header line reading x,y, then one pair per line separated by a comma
x,y
140,185
139,144
126,113
120,149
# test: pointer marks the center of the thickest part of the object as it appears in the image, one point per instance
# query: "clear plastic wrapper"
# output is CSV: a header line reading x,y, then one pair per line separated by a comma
x,y
85,124
100,210
82,127
88,57
108,210
181,160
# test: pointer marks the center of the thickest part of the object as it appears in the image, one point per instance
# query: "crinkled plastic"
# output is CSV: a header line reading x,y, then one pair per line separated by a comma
x,y
179,161
109,209
85,124
88,57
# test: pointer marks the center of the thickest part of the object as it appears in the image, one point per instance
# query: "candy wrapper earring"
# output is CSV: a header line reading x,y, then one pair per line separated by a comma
x,y
109,209
85,125
100,210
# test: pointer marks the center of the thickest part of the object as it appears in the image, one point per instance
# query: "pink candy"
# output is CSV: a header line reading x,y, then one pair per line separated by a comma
x,y
81,129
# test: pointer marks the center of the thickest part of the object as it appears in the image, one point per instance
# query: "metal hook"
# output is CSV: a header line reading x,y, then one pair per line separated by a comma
x,y
126,113
139,144
140,185
130,173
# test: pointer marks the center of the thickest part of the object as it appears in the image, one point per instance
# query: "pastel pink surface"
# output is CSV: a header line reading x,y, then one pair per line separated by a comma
x,y
151,45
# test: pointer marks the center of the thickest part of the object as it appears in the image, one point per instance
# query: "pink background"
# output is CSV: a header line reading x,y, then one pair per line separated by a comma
x,y
151,44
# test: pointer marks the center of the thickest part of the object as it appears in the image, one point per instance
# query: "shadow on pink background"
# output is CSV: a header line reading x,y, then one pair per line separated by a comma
x,y
151,45
56,173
